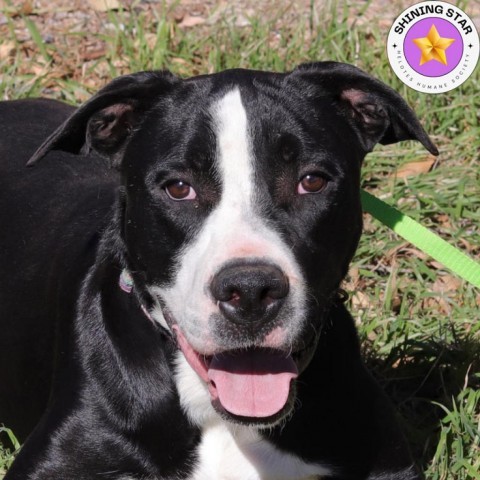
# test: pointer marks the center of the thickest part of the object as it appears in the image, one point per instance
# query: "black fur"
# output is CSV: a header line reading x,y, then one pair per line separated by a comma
x,y
84,374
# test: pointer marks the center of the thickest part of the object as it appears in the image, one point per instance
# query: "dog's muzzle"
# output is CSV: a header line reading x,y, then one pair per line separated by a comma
x,y
253,345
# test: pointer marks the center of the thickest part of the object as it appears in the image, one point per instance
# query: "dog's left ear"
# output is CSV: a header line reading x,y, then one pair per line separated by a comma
x,y
377,113
105,122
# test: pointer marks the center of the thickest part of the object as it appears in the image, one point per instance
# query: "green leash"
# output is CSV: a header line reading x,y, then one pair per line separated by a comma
x,y
455,260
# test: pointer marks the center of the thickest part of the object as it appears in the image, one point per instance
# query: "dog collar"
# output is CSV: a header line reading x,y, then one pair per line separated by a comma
x,y
125,282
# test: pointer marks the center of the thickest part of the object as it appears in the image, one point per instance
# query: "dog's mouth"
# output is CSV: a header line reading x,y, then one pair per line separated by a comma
x,y
252,383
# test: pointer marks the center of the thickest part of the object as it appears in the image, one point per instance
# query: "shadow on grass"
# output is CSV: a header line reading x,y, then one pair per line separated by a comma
x,y
420,378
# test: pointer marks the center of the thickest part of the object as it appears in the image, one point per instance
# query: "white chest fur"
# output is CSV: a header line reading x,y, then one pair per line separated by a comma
x,y
240,453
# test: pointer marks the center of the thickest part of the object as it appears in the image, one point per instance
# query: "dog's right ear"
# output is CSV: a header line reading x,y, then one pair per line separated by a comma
x,y
105,123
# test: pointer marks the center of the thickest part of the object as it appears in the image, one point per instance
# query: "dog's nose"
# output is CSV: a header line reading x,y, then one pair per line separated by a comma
x,y
249,293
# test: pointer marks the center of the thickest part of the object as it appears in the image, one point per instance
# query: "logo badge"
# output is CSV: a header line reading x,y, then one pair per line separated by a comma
x,y
433,47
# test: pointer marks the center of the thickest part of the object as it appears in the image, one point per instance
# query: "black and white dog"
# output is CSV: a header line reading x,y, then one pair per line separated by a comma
x,y
170,303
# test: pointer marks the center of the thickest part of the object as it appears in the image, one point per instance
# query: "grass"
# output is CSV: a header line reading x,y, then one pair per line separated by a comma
x,y
7,453
418,323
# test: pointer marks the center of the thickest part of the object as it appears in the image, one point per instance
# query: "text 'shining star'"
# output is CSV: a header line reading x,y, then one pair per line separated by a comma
x,y
433,46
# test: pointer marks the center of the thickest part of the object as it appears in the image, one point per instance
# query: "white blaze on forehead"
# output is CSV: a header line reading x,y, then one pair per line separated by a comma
x,y
234,150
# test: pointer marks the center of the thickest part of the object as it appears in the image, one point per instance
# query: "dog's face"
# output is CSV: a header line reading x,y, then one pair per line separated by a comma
x,y
241,211
244,216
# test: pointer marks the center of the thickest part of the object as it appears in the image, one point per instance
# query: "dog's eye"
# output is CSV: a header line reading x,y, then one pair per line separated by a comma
x,y
180,190
311,183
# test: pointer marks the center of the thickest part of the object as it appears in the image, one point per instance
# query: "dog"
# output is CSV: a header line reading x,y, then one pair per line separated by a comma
x,y
171,264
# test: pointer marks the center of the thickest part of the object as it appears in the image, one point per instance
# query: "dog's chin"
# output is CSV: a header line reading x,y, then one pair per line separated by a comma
x,y
253,386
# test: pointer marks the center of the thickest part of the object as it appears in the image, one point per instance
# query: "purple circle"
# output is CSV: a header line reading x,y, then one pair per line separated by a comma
x,y
433,68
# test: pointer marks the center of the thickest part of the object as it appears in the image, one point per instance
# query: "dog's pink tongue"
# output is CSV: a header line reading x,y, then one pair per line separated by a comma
x,y
254,383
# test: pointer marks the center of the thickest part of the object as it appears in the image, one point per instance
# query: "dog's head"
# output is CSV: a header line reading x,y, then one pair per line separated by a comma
x,y
241,210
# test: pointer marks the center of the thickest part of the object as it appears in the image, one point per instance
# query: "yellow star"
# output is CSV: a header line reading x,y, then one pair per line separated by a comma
x,y
433,46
